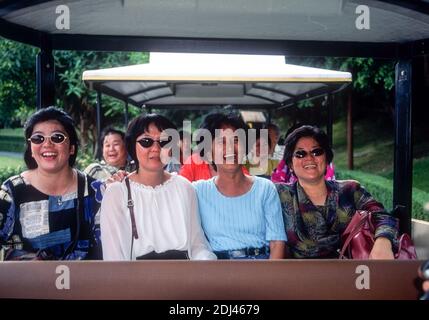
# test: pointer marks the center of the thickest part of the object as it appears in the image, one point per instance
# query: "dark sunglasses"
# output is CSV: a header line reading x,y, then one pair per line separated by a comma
x,y
317,152
57,138
148,142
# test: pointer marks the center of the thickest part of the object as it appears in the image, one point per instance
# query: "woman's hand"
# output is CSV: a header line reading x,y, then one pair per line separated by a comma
x,y
277,249
118,176
424,274
382,249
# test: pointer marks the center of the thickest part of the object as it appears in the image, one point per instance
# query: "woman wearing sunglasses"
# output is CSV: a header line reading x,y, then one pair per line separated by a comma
x,y
41,215
316,211
151,214
282,172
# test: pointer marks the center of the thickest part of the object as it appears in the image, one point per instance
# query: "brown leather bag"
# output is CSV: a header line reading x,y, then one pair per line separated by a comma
x,y
358,239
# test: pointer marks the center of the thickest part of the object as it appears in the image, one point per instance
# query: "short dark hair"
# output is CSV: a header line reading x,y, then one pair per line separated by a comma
x,y
111,130
217,120
141,125
275,127
47,114
303,132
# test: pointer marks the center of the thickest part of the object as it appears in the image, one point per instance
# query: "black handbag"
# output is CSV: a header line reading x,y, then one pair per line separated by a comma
x,y
166,255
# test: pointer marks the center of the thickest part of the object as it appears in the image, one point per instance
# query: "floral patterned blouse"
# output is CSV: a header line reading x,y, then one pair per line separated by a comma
x,y
315,231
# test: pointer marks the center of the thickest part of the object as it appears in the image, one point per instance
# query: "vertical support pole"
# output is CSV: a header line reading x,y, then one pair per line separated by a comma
x,y
45,75
126,115
330,120
403,158
349,130
99,144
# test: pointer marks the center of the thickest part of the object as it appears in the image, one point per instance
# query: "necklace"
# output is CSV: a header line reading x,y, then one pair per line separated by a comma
x,y
64,193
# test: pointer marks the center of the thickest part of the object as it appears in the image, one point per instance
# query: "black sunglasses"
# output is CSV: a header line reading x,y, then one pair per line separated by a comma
x,y
317,152
57,138
148,142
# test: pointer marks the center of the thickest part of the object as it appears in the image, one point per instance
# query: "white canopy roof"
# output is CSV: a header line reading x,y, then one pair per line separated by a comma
x,y
172,79
327,20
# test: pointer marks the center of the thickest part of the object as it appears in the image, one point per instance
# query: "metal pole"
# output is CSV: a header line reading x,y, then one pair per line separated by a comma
x,y
99,144
126,115
330,120
403,158
45,76
349,130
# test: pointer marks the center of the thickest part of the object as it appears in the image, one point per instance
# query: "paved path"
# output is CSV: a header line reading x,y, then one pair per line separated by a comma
x,y
11,154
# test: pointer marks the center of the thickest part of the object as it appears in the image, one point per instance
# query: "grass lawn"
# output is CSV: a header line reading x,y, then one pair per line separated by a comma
x,y
373,151
10,162
17,132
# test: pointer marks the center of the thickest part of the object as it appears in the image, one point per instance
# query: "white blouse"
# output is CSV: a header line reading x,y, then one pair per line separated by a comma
x,y
166,218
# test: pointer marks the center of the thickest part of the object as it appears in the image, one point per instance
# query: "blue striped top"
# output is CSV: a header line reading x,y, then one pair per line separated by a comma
x,y
249,220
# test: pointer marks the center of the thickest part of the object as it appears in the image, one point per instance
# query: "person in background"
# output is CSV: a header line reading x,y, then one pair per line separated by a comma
x,y
240,214
174,164
199,166
259,163
163,222
317,211
41,213
115,156
274,134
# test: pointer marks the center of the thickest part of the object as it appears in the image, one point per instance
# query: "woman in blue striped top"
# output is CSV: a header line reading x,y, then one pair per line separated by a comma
x,y
241,215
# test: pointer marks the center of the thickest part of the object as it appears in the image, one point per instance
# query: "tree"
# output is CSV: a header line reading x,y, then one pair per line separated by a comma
x,y
17,82
77,99
373,80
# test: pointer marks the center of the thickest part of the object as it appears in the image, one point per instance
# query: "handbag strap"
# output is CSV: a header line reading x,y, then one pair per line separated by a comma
x,y
130,205
79,212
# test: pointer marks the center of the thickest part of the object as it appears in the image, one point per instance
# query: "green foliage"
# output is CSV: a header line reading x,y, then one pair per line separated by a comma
x,y
12,144
372,85
80,101
17,81
8,172
8,161
18,86
84,158
16,132
382,190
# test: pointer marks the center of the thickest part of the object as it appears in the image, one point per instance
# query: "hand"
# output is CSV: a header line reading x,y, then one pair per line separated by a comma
x,y
424,274
382,249
277,249
118,176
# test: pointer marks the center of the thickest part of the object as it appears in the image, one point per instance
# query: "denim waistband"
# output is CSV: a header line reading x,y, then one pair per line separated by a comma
x,y
226,254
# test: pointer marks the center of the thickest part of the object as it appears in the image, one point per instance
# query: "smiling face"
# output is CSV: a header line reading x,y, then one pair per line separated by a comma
x,y
153,158
228,152
310,168
114,151
49,156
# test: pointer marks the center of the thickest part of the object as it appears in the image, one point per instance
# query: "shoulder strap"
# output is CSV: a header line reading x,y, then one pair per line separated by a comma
x,y
130,205
79,212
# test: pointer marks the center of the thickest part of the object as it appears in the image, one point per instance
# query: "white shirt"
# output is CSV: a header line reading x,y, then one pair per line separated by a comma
x,y
166,216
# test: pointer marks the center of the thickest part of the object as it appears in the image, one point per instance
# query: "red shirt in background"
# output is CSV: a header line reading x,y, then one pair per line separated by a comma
x,y
198,169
